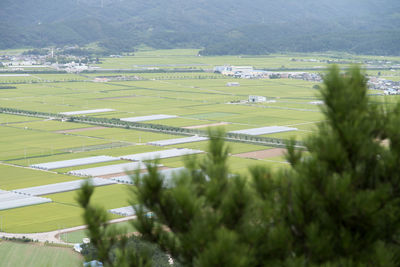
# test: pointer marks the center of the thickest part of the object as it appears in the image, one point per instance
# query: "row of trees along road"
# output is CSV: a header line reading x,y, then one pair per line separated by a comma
x,y
337,205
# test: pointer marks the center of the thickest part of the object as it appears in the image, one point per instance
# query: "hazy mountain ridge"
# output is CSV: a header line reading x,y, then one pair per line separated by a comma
x,y
165,24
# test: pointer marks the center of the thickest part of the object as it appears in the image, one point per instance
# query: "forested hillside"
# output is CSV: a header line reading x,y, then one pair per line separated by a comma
x,y
221,27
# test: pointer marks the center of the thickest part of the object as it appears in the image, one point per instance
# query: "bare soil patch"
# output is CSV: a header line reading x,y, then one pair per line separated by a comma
x,y
206,125
81,129
263,154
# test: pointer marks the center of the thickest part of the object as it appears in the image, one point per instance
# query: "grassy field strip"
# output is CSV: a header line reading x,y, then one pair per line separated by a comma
x,y
109,196
274,161
124,135
18,143
77,236
50,125
303,123
280,107
8,118
13,254
189,58
16,177
200,88
41,218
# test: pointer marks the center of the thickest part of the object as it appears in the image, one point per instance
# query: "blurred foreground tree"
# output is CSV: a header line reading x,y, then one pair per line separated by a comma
x,y
337,205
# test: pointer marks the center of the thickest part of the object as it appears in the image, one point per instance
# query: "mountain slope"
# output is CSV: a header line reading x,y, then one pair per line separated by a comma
x,y
263,25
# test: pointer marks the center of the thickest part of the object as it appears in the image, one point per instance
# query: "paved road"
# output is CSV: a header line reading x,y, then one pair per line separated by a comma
x,y
54,236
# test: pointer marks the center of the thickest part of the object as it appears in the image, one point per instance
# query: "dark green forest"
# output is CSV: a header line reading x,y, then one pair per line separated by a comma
x,y
217,27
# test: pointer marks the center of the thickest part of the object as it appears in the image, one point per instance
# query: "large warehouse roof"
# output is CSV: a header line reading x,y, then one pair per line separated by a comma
x,y
265,130
176,141
169,153
61,187
149,118
73,162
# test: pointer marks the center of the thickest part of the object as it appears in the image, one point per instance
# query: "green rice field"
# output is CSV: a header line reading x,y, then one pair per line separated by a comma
x,y
13,254
77,236
199,99
13,177
63,212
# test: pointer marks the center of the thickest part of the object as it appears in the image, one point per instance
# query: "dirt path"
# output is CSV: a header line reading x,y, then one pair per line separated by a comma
x,y
54,236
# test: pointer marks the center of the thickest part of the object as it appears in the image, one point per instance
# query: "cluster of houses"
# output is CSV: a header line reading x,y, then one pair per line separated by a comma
x,y
45,58
248,72
21,62
369,63
387,86
71,67
306,76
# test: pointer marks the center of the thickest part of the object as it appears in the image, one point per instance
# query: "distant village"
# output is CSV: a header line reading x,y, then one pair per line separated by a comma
x,y
248,72
54,59
387,86
370,63
59,60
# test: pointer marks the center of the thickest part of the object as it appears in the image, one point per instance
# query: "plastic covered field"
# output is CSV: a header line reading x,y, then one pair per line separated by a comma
x,y
169,153
110,169
176,141
11,200
61,187
168,174
149,118
72,162
81,112
265,130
